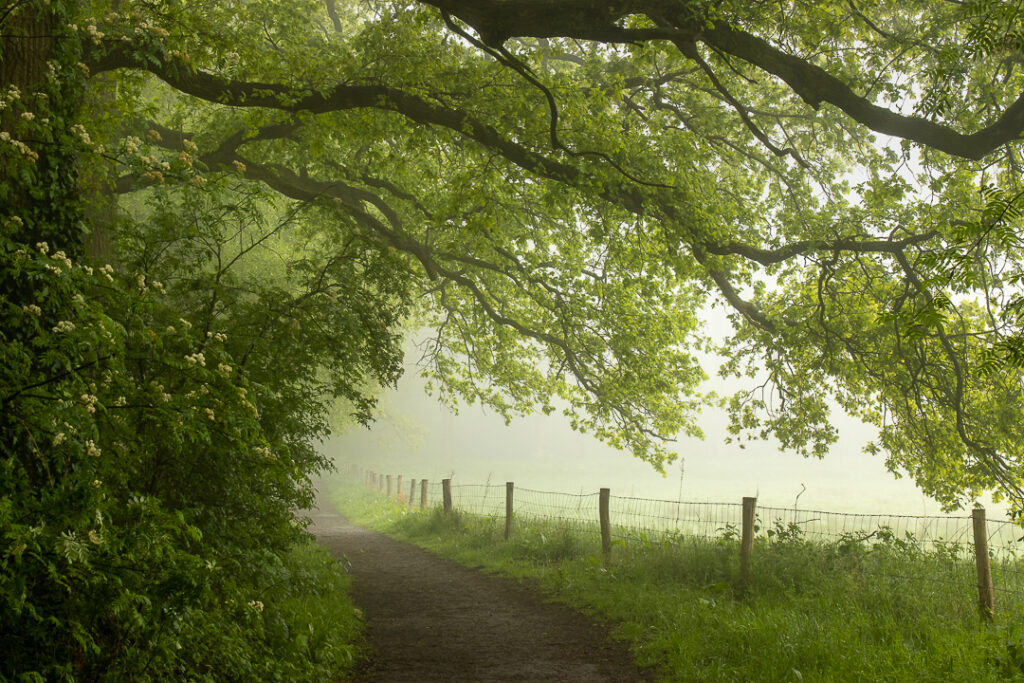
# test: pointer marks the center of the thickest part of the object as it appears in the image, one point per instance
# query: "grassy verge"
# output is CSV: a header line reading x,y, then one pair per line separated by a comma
x,y
821,612
308,620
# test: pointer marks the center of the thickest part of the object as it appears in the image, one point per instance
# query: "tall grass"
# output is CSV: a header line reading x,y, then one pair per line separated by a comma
x,y
839,611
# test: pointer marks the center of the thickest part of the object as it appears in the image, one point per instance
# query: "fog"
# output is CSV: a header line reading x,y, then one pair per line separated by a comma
x,y
417,437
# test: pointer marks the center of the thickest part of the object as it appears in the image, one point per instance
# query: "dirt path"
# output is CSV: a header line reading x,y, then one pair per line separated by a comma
x,y
429,619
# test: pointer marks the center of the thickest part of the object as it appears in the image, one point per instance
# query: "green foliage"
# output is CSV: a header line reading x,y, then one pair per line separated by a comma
x,y
559,193
147,491
564,210
152,454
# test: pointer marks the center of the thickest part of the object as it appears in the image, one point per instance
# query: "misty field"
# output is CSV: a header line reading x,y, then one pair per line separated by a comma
x,y
883,610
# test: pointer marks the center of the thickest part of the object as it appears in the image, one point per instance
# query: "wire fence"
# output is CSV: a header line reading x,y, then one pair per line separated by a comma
x,y
945,543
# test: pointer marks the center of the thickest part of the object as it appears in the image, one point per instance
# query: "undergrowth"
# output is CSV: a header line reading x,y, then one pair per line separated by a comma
x,y
297,625
844,611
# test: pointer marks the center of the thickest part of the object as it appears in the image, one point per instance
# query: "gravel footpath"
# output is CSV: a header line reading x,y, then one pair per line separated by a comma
x,y
429,619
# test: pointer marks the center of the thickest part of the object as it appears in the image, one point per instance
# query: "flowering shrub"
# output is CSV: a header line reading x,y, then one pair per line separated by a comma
x,y
154,442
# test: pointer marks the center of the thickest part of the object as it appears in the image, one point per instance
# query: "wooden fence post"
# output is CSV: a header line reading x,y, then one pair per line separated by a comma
x,y
380,482
412,493
446,492
509,487
747,541
398,488
389,486
423,494
986,594
606,526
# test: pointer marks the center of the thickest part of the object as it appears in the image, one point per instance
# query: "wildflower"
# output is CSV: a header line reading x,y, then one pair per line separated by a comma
x,y
25,150
91,449
187,324
210,414
160,31
131,144
196,359
62,257
153,135
190,146
79,130
256,605
221,337
224,369
27,115
155,176
33,309
90,402
95,34
239,166
43,247
58,439
94,537
63,326
17,220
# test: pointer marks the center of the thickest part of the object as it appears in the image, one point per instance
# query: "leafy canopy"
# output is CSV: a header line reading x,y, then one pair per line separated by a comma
x,y
568,186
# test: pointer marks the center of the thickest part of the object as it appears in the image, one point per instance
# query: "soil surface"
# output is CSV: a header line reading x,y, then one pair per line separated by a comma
x,y
429,619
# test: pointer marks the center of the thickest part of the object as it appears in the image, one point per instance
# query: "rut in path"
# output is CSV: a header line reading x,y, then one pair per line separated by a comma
x,y
429,619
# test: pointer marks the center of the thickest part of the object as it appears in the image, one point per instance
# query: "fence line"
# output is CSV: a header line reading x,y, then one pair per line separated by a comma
x,y
990,551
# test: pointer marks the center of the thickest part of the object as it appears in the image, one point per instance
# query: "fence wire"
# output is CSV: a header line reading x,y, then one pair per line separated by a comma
x,y
944,543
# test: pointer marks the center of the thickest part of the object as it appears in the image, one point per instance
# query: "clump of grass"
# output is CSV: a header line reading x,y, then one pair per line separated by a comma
x,y
840,611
